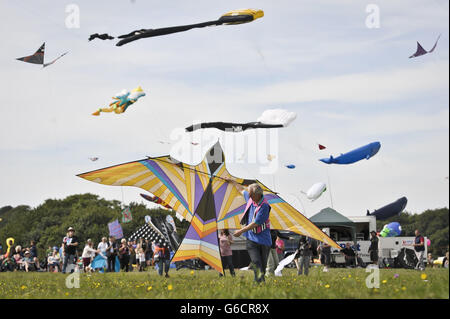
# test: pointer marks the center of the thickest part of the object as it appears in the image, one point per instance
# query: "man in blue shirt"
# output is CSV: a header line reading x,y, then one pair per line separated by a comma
x,y
256,228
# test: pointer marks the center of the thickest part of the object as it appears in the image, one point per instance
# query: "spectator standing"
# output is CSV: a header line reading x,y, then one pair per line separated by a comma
x,y
325,255
445,261
162,257
373,248
419,247
225,241
103,246
148,252
273,260
304,253
111,254
279,246
141,259
133,255
88,254
70,248
34,254
124,255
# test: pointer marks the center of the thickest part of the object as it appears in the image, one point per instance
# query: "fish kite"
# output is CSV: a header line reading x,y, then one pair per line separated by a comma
x,y
122,101
421,51
229,18
389,210
269,119
205,197
315,191
364,152
38,57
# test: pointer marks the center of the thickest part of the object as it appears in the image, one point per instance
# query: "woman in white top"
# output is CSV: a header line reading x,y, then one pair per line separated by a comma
x,y
88,254
102,246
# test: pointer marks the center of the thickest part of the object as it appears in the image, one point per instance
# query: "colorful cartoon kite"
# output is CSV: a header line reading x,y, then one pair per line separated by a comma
x,y
421,51
315,191
203,195
232,17
269,119
364,152
391,230
389,210
38,57
122,101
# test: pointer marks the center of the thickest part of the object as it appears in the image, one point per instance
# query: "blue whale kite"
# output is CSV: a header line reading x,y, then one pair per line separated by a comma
x,y
364,152
389,210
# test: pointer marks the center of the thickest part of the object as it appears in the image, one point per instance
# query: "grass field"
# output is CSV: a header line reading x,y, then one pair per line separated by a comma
x,y
338,283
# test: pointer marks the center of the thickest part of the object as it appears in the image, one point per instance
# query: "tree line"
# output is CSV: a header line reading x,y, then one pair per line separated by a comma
x,y
47,223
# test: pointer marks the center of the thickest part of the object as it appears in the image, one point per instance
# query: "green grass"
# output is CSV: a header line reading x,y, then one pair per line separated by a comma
x,y
187,284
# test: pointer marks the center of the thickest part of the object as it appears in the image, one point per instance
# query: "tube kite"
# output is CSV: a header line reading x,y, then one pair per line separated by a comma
x,y
421,51
203,195
229,18
122,101
269,119
389,210
364,152
38,57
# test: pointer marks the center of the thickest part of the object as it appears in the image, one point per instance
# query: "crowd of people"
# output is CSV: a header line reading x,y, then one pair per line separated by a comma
x,y
133,255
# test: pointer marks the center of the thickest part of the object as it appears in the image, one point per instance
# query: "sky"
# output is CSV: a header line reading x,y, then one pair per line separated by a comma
x,y
341,66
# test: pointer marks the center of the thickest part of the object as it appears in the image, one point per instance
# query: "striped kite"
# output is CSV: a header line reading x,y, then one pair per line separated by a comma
x,y
203,195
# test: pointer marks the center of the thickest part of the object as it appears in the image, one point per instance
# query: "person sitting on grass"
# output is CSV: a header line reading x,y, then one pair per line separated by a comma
x,y
28,261
349,254
54,261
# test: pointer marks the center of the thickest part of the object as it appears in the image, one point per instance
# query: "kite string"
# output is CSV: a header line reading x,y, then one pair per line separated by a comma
x,y
329,185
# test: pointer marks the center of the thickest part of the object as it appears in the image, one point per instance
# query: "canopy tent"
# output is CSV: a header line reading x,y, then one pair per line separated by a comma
x,y
328,217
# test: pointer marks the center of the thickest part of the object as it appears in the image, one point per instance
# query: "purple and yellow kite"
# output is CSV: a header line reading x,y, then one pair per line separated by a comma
x,y
203,196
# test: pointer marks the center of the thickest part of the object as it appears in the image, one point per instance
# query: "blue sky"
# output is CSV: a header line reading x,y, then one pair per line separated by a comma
x,y
349,85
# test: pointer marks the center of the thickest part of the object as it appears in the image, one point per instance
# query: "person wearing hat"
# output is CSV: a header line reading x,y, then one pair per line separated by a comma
x,y
373,248
27,260
70,248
